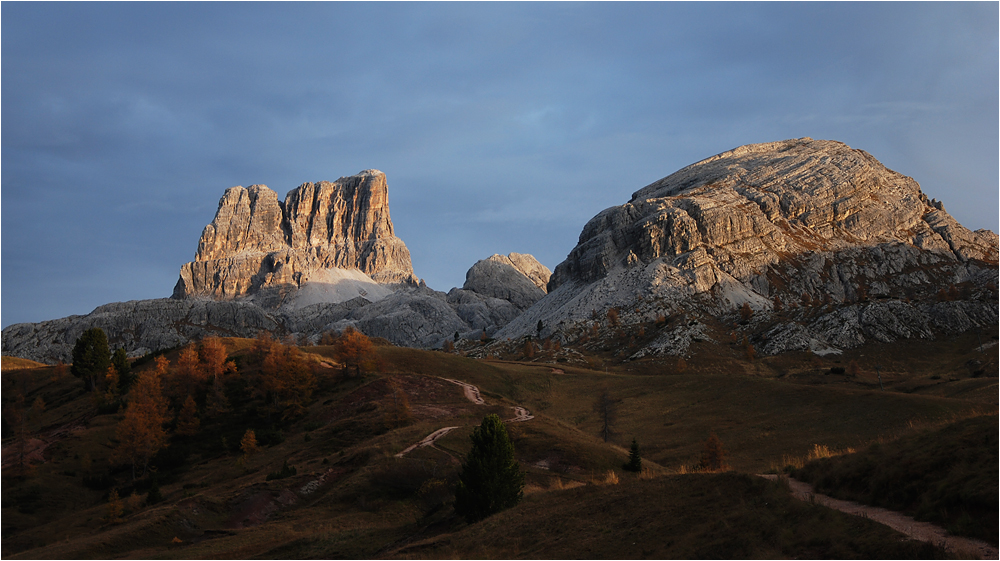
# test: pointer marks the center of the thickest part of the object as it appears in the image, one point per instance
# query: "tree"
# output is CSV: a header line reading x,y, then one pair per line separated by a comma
x,y
214,359
354,350
539,328
91,357
746,312
777,303
713,457
287,382
120,361
187,418
612,317
634,460
248,445
607,412
399,415
140,433
187,374
115,507
491,479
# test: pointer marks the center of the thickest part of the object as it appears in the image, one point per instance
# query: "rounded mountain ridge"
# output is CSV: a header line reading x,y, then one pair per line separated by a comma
x,y
752,206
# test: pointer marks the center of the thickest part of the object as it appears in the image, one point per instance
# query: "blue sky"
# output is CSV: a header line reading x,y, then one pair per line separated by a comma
x,y
500,127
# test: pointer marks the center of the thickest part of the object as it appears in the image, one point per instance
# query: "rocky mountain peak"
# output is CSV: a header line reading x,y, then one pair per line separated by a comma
x,y
756,205
783,227
258,242
517,277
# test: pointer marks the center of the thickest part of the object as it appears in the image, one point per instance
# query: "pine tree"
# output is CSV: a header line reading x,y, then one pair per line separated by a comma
x,y
634,460
491,479
125,377
91,357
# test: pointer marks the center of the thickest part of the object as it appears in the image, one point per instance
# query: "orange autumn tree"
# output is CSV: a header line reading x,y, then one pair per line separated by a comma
x,y
214,359
287,381
354,350
140,433
187,418
187,376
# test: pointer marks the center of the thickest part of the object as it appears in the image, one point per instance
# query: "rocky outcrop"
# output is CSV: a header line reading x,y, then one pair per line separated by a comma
x,y
257,243
801,220
518,278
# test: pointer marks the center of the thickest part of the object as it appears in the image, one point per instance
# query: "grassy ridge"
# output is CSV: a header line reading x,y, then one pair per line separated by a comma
x,y
723,516
946,476
373,504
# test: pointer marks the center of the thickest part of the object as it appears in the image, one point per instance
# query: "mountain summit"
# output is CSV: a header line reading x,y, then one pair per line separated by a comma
x,y
257,242
799,221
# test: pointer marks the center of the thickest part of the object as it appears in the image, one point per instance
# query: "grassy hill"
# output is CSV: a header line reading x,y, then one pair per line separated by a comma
x,y
350,496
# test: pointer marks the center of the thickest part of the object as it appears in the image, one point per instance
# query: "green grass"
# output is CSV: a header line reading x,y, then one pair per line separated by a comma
x,y
947,476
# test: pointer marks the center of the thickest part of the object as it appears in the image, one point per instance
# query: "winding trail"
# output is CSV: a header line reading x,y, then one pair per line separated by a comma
x,y
427,441
923,531
472,394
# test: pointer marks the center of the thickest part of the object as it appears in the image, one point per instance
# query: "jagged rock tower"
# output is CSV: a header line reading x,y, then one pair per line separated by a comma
x,y
257,242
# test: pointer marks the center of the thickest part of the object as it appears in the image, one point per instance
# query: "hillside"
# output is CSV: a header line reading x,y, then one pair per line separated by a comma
x,y
351,496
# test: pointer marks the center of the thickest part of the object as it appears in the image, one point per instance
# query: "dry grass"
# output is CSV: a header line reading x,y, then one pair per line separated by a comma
x,y
11,363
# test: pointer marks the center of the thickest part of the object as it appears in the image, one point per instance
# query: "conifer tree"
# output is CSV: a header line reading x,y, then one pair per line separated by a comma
x,y
187,418
91,357
491,479
634,460
125,377
140,433
713,457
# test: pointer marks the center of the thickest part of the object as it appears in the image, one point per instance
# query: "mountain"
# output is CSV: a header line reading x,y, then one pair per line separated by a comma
x,y
826,246
256,242
324,259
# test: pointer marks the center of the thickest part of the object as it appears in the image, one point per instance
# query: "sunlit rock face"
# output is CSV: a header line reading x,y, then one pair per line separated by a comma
x,y
802,220
518,278
257,242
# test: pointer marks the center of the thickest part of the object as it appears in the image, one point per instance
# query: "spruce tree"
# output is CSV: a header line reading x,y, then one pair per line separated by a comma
x,y
634,460
491,479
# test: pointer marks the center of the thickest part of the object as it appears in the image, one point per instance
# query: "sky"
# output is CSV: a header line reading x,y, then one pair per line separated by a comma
x,y
501,127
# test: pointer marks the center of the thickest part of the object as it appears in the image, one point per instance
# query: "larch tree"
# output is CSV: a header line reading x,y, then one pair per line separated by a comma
x,y
354,350
607,413
187,418
140,433
713,457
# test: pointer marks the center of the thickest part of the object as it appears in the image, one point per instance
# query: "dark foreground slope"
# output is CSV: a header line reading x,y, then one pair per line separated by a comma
x,y
350,496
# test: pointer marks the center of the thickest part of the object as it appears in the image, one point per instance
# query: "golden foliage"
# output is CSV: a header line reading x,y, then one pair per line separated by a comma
x,y
187,418
354,350
140,432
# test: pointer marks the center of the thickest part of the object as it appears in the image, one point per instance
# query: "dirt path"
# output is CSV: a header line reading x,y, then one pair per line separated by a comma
x,y
472,394
923,531
427,441
520,415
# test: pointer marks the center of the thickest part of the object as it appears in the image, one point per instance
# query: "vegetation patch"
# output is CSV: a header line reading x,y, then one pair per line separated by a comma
x,y
946,476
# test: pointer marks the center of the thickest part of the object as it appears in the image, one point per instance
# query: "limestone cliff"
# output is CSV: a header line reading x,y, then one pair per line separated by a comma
x,y
798,221
257,242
